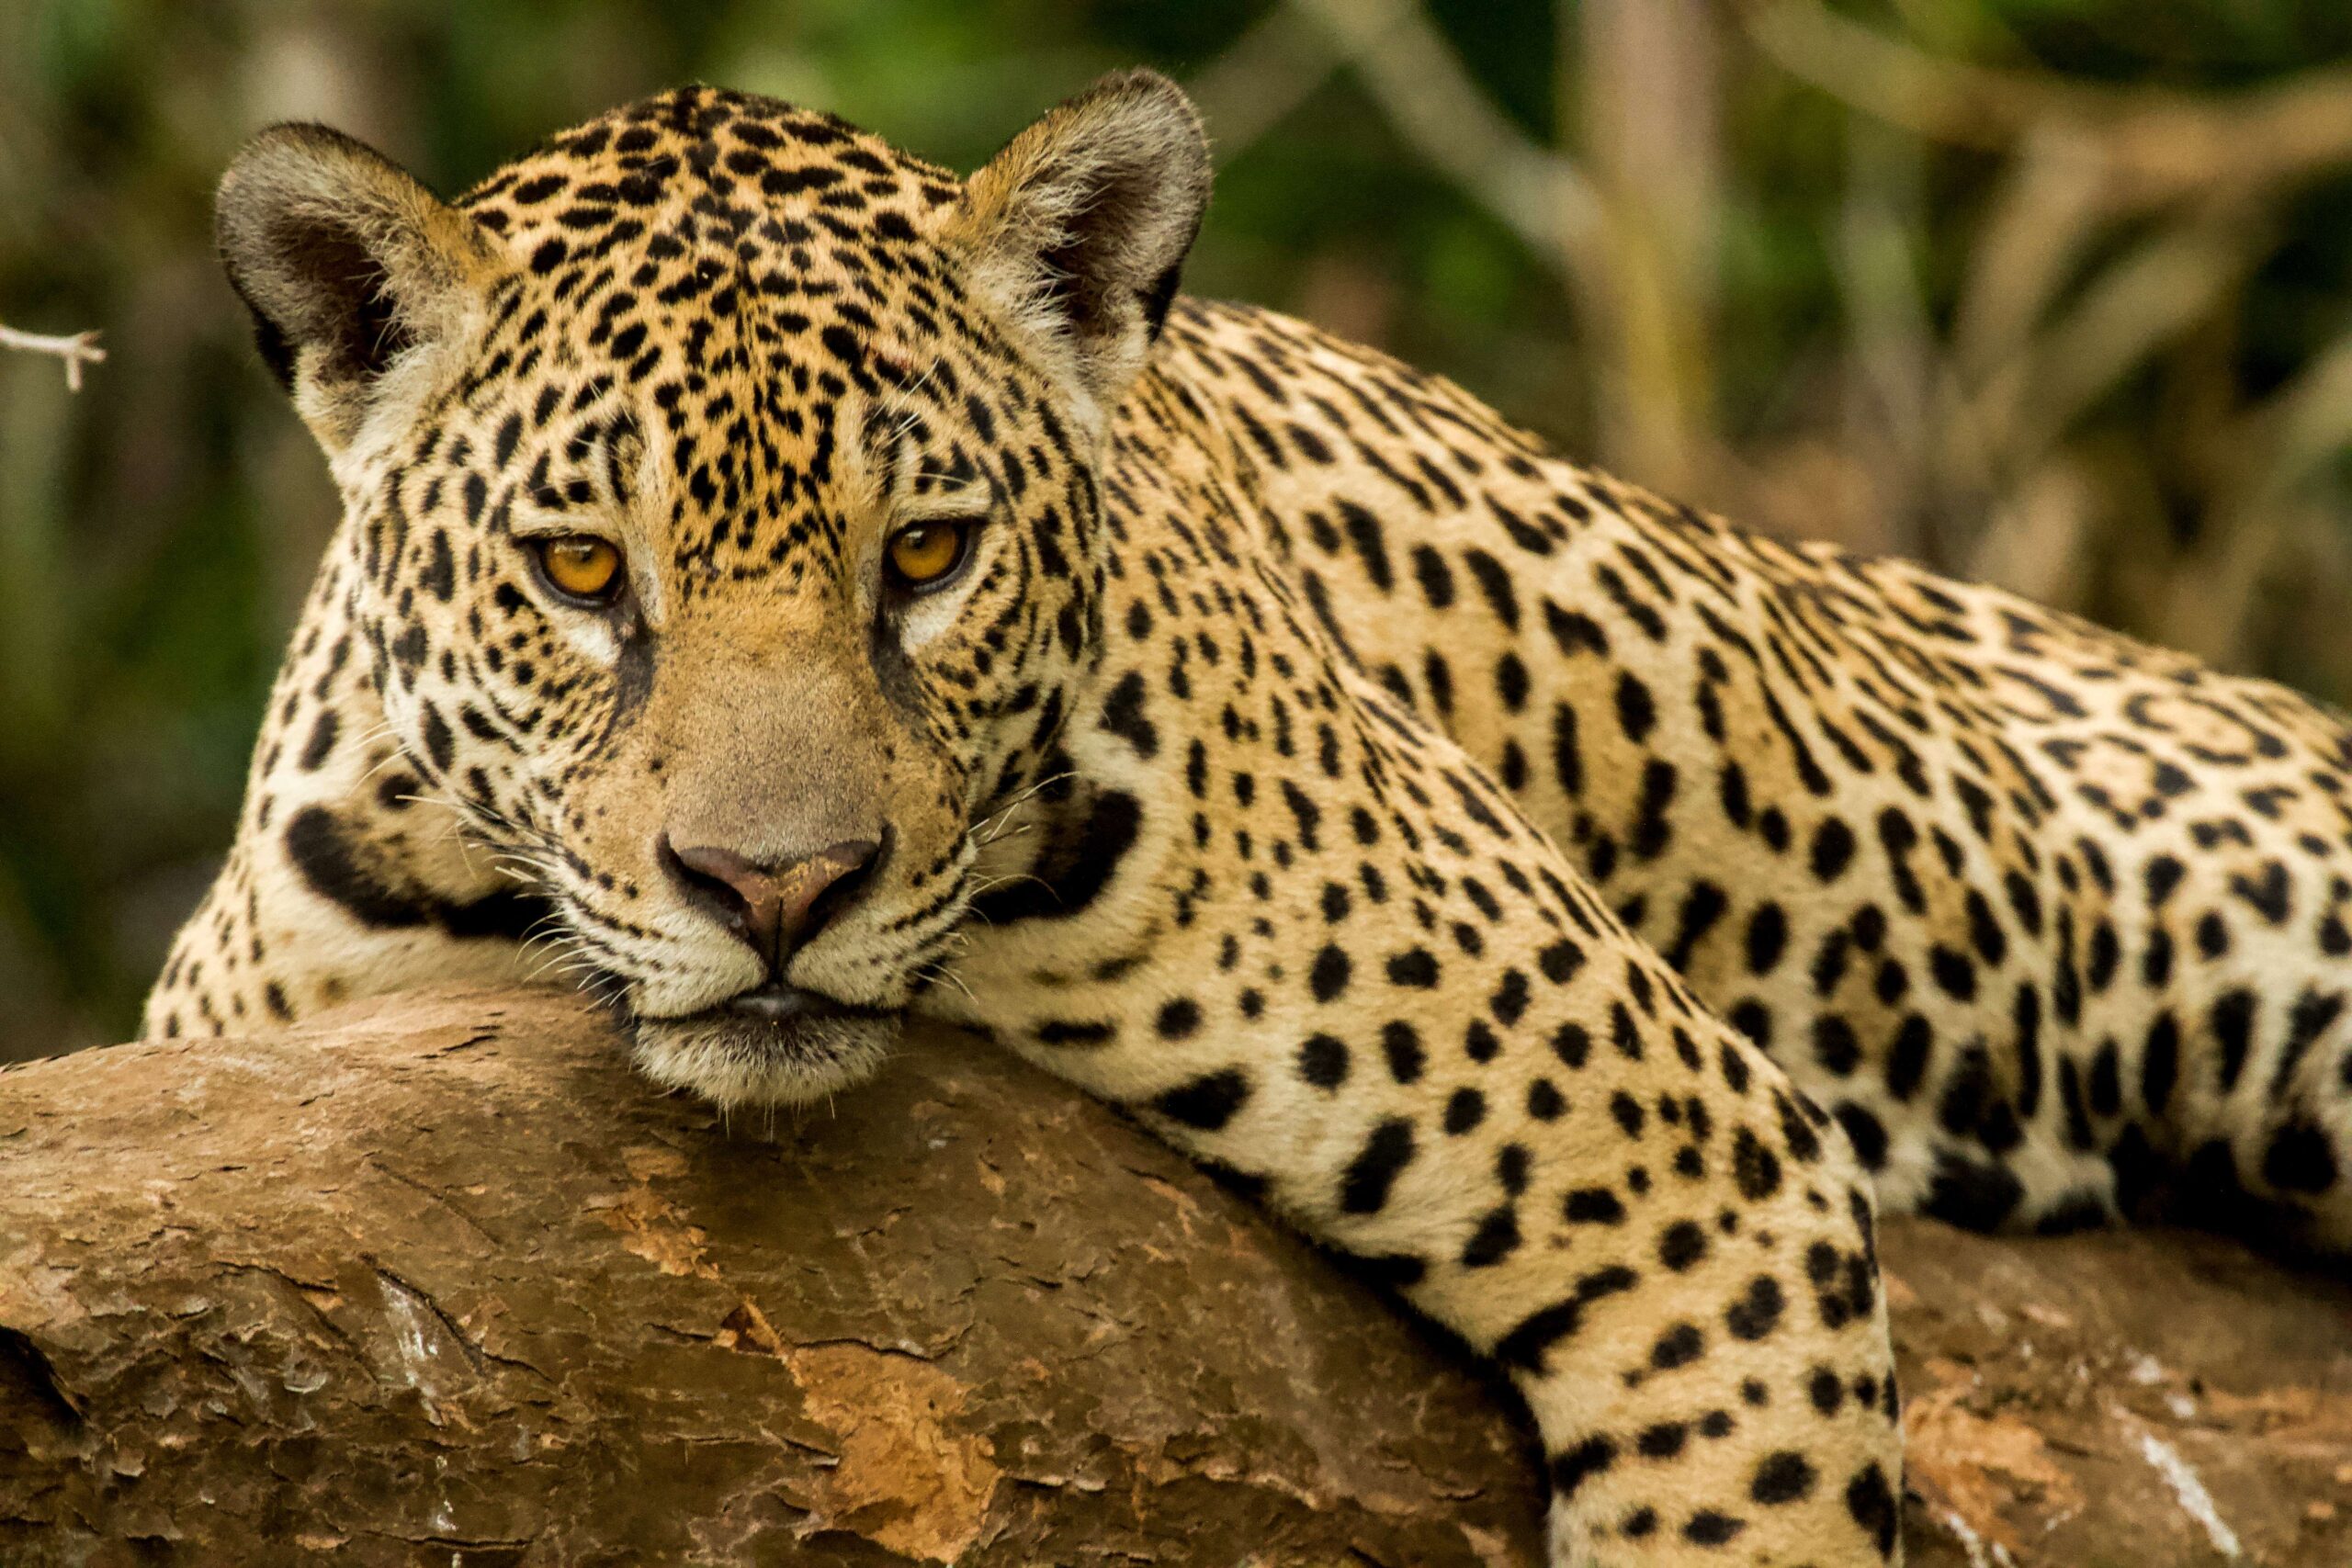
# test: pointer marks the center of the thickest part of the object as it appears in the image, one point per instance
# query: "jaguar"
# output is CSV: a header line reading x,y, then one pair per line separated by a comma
x,y
789,590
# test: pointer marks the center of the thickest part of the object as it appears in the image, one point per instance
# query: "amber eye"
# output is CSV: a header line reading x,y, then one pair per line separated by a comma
x,y
923,555
580,566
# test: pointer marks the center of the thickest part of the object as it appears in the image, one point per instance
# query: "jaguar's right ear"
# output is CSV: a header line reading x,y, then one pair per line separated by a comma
x,y
352,269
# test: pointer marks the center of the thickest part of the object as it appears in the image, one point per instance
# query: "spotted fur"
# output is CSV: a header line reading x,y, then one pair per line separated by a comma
x,y
1383,810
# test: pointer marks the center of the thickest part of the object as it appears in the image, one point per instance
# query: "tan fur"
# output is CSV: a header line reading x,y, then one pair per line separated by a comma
x,y
1550,896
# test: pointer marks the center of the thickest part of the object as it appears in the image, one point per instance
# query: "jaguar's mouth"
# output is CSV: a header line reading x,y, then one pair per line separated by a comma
x,y
778,1003
775,1045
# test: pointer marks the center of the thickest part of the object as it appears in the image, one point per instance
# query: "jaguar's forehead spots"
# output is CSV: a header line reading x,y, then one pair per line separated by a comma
x,y
756,283
731,160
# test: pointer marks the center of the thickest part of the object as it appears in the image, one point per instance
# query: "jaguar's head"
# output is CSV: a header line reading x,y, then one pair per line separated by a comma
x,y
722,520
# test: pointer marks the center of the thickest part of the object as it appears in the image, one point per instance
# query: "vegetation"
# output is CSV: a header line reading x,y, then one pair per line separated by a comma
x,y
2057,292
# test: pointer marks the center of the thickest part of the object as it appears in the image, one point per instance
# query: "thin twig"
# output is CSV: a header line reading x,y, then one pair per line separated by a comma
x,y
76,349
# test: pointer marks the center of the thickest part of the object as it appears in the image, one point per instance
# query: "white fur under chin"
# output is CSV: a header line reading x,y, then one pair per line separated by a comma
x,y
735,1061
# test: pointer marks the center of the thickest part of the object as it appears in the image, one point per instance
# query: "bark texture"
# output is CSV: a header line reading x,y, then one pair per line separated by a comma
x,y
443,1280
440,1281
2122,1399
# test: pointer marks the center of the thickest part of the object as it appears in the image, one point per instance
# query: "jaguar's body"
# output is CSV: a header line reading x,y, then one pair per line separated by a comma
x,y
2056,922
1288,750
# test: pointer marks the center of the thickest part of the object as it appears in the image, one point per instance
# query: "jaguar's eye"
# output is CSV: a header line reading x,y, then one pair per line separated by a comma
x,y
580,566
926,554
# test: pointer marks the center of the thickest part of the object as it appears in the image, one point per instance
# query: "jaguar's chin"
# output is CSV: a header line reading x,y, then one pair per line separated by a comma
x,y
733,1057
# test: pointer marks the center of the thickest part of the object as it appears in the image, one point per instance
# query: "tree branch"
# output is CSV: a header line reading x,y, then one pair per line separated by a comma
x,y
76,349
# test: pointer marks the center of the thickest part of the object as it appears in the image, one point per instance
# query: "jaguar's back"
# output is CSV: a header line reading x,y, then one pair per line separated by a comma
x,y
2051,919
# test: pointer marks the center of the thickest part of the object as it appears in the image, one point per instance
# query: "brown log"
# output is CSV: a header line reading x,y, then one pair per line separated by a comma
x,y
442,1280
2120,1399
439,1279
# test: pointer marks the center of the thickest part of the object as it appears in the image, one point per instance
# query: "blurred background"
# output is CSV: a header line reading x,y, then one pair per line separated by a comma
x,y
2053,292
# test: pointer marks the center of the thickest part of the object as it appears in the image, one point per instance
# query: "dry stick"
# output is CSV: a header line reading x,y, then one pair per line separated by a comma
x,y
76,349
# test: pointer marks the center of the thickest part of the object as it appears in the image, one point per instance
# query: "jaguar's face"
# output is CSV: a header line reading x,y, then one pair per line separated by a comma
x,y
721,517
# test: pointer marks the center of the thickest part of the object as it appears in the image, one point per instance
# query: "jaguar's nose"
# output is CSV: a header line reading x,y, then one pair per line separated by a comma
x,y
776,907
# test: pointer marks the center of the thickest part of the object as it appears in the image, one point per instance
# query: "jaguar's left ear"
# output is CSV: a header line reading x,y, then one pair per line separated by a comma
x,y
1078,229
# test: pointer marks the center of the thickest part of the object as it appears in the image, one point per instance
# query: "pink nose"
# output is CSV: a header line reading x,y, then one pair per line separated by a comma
x,y
775,907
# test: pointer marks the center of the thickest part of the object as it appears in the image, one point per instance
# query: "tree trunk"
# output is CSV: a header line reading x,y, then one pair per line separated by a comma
x,y
439,1279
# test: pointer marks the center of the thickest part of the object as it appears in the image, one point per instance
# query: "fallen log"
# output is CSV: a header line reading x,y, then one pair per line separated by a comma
x,y
443,1273
438,1279
2120,1399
